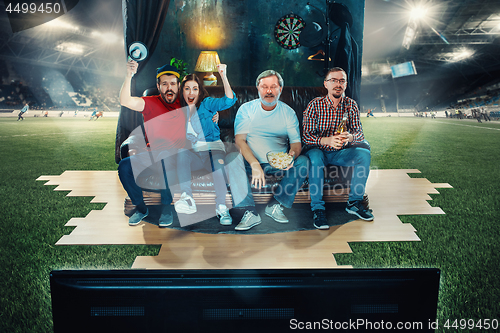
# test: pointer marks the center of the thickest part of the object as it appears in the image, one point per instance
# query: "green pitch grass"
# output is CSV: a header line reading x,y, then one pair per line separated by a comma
x,y
463,243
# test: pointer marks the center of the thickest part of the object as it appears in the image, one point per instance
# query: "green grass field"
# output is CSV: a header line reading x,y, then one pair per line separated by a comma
x,y
463,243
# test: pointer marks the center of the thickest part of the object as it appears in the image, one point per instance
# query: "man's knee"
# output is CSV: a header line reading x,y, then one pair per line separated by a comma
x,y
363,144
302,165
316,157
125,165
363,156
218,162
302,160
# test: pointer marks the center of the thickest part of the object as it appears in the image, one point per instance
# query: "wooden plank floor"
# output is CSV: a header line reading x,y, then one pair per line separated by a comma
x,y
391,193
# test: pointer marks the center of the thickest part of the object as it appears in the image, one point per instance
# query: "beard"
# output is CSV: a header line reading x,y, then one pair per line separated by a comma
x,y
338,94
269,104
169,96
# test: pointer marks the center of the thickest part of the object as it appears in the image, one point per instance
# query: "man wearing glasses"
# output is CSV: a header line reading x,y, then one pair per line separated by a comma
x,y
263,125
322,118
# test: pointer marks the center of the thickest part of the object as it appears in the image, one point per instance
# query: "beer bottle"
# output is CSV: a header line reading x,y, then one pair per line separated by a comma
x,y
342,126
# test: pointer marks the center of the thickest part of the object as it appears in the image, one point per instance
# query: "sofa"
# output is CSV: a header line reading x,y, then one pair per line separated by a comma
x,y
337,179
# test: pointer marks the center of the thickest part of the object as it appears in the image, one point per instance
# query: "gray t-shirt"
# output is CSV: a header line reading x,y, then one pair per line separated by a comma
x,y
267,130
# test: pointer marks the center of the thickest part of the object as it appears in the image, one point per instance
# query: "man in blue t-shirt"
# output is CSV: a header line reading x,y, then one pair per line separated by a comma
x,y
261,126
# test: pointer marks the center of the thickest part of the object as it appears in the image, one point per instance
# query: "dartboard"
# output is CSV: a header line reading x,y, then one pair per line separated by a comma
x,y
287,31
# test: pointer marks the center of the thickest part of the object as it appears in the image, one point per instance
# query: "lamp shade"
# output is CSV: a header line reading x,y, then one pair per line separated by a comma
x,y
207,62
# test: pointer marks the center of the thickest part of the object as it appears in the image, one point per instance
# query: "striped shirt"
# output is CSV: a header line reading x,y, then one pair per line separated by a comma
x,y
321,119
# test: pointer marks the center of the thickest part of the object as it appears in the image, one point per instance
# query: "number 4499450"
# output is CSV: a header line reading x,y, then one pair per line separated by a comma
x,y
484,324
32,8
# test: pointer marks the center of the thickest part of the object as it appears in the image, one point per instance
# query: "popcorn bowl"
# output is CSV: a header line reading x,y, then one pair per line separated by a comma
x,y
279,160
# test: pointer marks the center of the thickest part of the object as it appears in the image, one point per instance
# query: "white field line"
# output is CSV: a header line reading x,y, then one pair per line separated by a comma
x,y
482,127
48,134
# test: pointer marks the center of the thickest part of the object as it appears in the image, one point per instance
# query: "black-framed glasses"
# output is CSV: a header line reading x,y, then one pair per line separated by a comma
x,y
341,81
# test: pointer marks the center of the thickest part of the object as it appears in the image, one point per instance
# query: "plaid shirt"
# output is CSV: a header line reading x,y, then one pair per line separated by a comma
x,y
321,119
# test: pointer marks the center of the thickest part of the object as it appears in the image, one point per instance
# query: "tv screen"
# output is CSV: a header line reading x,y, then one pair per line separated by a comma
x,y
244,300
404,69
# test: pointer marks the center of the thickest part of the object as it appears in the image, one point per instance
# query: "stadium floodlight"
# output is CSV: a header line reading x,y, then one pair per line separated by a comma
x,y
59,24
106,37
410,33
110,38
496,29
68,47
461,54
418,13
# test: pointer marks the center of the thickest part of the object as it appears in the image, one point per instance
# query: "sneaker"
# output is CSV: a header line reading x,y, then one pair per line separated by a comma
x,y
276,212
166,217
358,209
223,214
137,217
185,205
320,221
248,221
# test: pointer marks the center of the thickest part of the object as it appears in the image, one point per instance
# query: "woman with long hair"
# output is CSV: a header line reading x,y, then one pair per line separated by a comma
x,y
204,148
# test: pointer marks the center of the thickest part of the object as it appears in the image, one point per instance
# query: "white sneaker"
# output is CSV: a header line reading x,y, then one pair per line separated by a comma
x,y
248,221
223,213
185,205
276,212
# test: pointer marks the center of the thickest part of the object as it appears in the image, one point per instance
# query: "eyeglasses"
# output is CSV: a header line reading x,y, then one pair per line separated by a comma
x,y
341,81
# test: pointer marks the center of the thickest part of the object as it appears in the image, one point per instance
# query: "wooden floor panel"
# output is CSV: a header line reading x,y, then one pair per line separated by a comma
x,y
391,193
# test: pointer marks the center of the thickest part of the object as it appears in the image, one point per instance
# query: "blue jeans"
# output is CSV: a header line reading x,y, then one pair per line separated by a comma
x,y
357,157
239,170
130,167
188,160
238,181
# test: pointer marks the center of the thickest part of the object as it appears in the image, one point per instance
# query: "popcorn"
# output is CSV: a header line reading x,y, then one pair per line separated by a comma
x,y
279,160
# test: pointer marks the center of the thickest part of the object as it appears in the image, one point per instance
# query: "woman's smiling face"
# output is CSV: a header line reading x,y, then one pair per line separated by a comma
x,y
191,92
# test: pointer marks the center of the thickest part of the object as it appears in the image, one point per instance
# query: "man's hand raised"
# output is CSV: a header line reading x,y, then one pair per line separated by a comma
x,y
132,68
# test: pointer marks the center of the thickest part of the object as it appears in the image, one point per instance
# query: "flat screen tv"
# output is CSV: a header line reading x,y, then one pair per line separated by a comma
x,y
244,300
403,69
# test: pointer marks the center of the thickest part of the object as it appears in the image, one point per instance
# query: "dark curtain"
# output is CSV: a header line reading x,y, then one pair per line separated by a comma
x,y
346,57
142,22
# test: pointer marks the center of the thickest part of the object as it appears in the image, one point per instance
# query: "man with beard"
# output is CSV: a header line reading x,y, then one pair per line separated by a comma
x,y
263,125
325,146
164,124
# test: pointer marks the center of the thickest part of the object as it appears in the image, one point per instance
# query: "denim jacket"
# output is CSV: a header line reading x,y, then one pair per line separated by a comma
x,y
202,120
